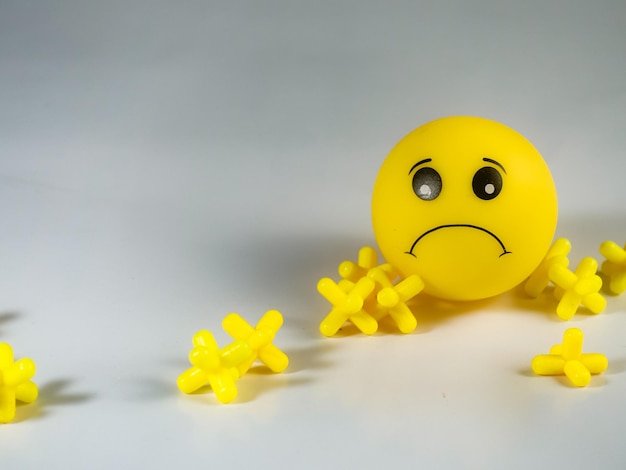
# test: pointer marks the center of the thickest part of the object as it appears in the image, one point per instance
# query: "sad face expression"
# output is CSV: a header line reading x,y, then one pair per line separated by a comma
x,y
466,203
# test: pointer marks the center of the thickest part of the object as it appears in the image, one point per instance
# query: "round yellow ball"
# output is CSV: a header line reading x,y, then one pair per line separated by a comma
x,y
466,203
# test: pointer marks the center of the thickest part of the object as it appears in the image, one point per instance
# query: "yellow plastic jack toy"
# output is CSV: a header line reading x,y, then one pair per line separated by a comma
x,y
568,359
358,300
539,279
347,300
259,339
615,266
576,288
15,383
221,368
393,298
217,367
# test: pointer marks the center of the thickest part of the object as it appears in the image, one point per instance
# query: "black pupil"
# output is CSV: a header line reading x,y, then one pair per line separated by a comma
x,y
487,183
426,184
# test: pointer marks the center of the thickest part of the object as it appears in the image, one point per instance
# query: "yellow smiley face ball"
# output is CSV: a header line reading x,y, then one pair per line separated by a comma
x,y
466,203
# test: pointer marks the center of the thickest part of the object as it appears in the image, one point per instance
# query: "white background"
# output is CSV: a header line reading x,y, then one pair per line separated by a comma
x,y
165,163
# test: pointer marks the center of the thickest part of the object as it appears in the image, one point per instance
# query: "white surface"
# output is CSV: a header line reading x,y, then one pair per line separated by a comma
x,y
165,163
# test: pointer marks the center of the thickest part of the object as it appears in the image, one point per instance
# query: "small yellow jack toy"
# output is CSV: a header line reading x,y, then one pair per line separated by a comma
x,y
259,339
614,268
221,368
572,288
15,383
366,294
579,287
347,305
569,360
217,367
392,298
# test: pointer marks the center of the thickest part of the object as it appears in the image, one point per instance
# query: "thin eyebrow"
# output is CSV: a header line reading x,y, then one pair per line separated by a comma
x,y
426,160
495,163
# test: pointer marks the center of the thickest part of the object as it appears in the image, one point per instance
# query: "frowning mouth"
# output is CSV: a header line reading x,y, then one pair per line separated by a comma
x,y
428,232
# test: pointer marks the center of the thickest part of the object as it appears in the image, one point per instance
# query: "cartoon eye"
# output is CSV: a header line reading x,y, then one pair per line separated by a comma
x,y
487,183
426,184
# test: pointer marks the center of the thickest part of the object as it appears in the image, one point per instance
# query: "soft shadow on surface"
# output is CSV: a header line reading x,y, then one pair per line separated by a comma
x,y
432,312
153,388
51,394
254,385
545,304
527,372
311,357
616,366
282,272
7,317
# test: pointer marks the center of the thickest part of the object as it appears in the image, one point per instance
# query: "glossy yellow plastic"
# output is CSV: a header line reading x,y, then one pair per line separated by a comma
x,y
614,267
259,339
467,204
347,301
215,366
393,298
576,288
367,259
15,383
365,303
557,255
569,360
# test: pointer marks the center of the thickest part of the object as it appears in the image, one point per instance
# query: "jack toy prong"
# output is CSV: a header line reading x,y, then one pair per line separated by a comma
x,y
614,266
